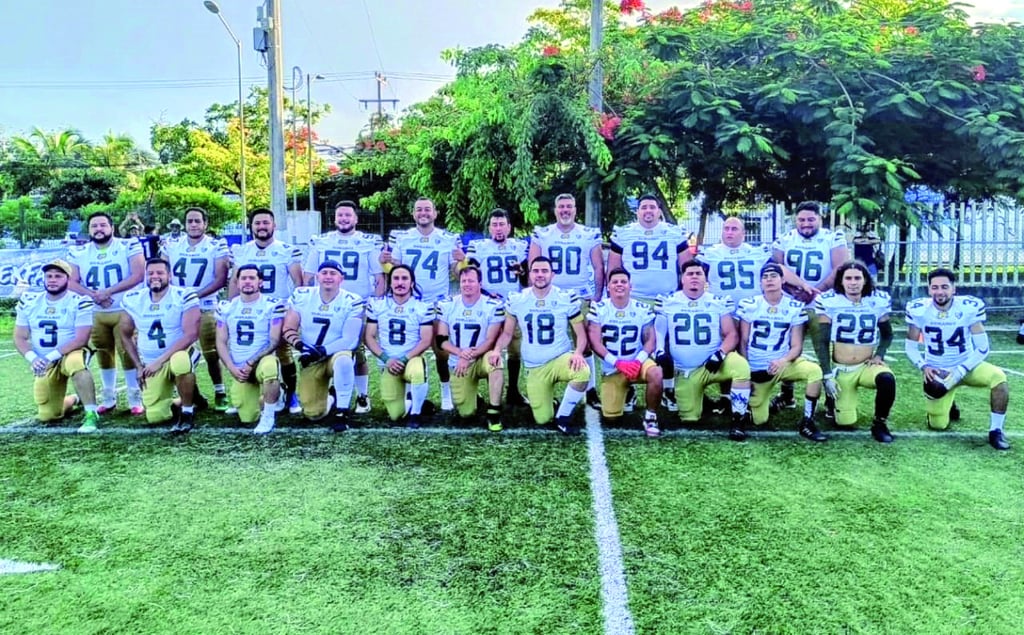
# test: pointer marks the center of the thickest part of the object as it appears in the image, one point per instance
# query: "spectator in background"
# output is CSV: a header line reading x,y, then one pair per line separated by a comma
x,y
175,226
131,226
867,248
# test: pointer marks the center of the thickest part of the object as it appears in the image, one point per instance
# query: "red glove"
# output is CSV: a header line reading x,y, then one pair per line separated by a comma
x,y
630,369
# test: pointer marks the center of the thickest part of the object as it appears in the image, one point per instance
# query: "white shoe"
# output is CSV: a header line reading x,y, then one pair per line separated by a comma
x,y
446,403
135,398
231,410
294,407
265,425
108,402
280,405
362,404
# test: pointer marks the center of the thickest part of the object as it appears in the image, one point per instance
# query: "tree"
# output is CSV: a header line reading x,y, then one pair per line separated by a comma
x,y
75,188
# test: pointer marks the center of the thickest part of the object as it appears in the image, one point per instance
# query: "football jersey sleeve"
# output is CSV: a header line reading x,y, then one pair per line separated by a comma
x,y
83,316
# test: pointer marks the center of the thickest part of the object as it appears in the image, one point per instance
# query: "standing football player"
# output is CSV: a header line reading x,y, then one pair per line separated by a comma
x,y
358,253
621,333
851,346
772,340
956,345
399,328
159,326
51,331
324,323
201,262
433,255
814,253
577,263
248,333
502,260
702,340
468,326
280,266
103,270
545,314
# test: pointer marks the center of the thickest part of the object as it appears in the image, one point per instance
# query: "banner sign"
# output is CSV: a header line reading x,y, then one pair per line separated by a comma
x,y
21,269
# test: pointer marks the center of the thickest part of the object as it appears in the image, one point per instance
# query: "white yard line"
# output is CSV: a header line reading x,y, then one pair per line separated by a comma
x,y
614,595
10,567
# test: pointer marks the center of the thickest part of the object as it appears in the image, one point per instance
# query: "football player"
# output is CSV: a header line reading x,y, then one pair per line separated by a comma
x,y
651,251
702,340
399,328
103,270
468,326
621,333
51,331
158,329
324,324
851,344
577,263
772,340
248,332
502,261
956,345
813,253
432,254
281,272
358,253
545,314
201,262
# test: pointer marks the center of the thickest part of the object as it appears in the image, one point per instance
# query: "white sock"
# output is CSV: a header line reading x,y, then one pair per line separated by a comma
x,y
268,410
218,388
592,363
344,378
668,384
108,376
996,420
739,397
362,385
131,379
188,409
569,401
446,390
419,395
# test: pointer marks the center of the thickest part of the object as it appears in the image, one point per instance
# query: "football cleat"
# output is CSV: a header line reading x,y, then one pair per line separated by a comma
x,y
651,428
668,400
294,407
220,401
997,440
265,425
880,431
780,402
90,424
341,418
362,404
736,431
810,431
184,424
566,427
593,400
231,410
108,404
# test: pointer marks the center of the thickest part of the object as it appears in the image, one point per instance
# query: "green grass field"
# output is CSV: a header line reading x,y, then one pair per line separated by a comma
x,y
440,531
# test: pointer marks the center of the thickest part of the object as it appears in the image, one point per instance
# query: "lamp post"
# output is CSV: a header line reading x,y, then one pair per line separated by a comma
x,y
213,8
296,80
309,133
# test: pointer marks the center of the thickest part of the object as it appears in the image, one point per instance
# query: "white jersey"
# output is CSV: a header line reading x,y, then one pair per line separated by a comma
x,y
622,330
430,258
273,261
52,323
650,256
810,258
735,272
495,260
770,326
468,325
195,266
248,324
570,255
323,323
694,326
158,324
947,334
544,323
398,325
358,254
103,268
854,322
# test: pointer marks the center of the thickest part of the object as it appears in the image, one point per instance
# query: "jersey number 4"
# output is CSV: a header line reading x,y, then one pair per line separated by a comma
x,y
429,263
936,345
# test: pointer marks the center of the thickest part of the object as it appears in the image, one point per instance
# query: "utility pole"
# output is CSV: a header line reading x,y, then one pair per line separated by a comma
x,y
278,193
295,155
593,218
381,80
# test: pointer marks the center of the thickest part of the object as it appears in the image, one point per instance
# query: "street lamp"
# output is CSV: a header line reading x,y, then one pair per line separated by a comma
x,y
309,133
296,80
213,8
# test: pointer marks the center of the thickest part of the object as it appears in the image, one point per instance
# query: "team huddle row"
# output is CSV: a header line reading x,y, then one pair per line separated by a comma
x,y
657,313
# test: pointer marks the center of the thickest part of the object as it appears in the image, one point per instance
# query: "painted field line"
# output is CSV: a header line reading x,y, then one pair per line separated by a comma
x,y
11,567
614,595
1012,372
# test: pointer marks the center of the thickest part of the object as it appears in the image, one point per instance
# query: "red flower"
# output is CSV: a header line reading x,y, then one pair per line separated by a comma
x,y
381,146
978,72
911,31
607,126
333,169
551,50
746,6
629,6
672,14
791,35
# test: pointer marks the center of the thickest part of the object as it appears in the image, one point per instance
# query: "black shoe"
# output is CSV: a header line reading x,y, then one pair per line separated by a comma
x,y
200,402
810,431
719,406
413,423
341,418
184,424
954,412
737,432
593,400
516,400
565,426
997,439
780,402
880,431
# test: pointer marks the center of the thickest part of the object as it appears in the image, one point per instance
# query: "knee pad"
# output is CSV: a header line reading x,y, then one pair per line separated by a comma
x,y
180,363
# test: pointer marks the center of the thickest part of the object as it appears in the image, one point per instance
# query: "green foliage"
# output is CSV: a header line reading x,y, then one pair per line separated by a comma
x,y
75,188
171,201
23,223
